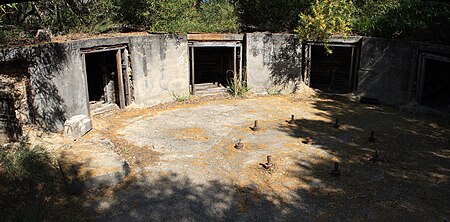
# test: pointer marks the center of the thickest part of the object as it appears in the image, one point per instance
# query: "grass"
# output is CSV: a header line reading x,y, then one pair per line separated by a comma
x,y
180,97
125,151
238,88
29,177
24,163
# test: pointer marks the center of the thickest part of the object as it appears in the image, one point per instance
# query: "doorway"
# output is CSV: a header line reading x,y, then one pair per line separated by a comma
x,y
335,72
109,82
214,66
434,81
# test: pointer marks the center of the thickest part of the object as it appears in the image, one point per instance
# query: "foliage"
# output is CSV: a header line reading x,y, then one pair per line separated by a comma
x,y
22,163
218,16
315,20
182,15
180,97
404,18
238,88
269,15
60,17
324,19
4,10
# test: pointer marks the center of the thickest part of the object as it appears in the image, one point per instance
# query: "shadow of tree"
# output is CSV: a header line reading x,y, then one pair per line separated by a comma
x,y
44,65
174,197
410,180
285,66
409,183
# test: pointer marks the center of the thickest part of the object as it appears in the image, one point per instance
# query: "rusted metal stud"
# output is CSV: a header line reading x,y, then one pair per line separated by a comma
x,y
336,170
255,127
308,141
269,165
372,137
377,156
239,145
336,124
292,121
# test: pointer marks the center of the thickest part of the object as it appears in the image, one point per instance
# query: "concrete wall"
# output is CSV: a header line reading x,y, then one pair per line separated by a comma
x,y
58,82
57,88
273,62
160,65
388,69
160,68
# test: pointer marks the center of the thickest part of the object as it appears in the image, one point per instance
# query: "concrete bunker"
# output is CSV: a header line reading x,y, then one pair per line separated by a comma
x,y
108,74
434,81
334,72
216,61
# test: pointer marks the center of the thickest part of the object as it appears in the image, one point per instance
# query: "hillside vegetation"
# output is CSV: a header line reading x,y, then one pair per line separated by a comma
x,y
405,19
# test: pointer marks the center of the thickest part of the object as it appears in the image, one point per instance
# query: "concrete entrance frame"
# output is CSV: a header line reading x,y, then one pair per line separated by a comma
x,y
122,72
234,41
337,42
421,71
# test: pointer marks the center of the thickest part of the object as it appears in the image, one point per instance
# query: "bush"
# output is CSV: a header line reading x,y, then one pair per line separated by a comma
x,y
238,88
24,164
324,19
181,16
411,19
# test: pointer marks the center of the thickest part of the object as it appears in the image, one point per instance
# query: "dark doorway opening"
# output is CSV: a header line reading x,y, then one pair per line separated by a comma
x,y
214,66
101,75
108,78
335,72
436,83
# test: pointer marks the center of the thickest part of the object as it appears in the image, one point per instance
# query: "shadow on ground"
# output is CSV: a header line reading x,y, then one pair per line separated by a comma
x,y
410,181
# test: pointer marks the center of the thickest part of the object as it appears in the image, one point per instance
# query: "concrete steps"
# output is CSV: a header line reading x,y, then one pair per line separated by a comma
x,y
209,89
99,108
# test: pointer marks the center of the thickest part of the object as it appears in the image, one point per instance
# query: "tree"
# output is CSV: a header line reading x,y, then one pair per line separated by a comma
x,y
324,19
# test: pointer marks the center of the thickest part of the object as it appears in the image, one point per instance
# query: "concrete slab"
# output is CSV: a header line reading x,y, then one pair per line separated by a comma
x,y
91,165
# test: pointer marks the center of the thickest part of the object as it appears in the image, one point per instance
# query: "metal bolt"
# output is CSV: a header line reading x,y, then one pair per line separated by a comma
x,y
255,127
377,156
239,145
292,121
336,171
336,124
269,165
308,141
372,137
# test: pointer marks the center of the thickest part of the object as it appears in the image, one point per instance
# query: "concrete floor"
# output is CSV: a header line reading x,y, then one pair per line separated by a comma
x,y
185,166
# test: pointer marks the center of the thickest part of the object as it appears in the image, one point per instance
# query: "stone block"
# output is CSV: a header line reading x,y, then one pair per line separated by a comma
x,y
77,126
91,165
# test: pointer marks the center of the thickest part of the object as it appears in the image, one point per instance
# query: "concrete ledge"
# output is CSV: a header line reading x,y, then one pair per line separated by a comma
x,y
91,165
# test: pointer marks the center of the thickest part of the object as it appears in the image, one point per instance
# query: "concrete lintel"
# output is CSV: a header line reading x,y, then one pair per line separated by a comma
x,y
341,40
215,37
215,44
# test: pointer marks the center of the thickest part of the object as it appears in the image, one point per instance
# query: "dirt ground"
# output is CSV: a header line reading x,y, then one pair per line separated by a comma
x,y
185,167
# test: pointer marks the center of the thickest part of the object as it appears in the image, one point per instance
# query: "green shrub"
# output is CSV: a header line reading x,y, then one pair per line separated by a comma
x,y
23,163
238,88
180,97
404,19
325,19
